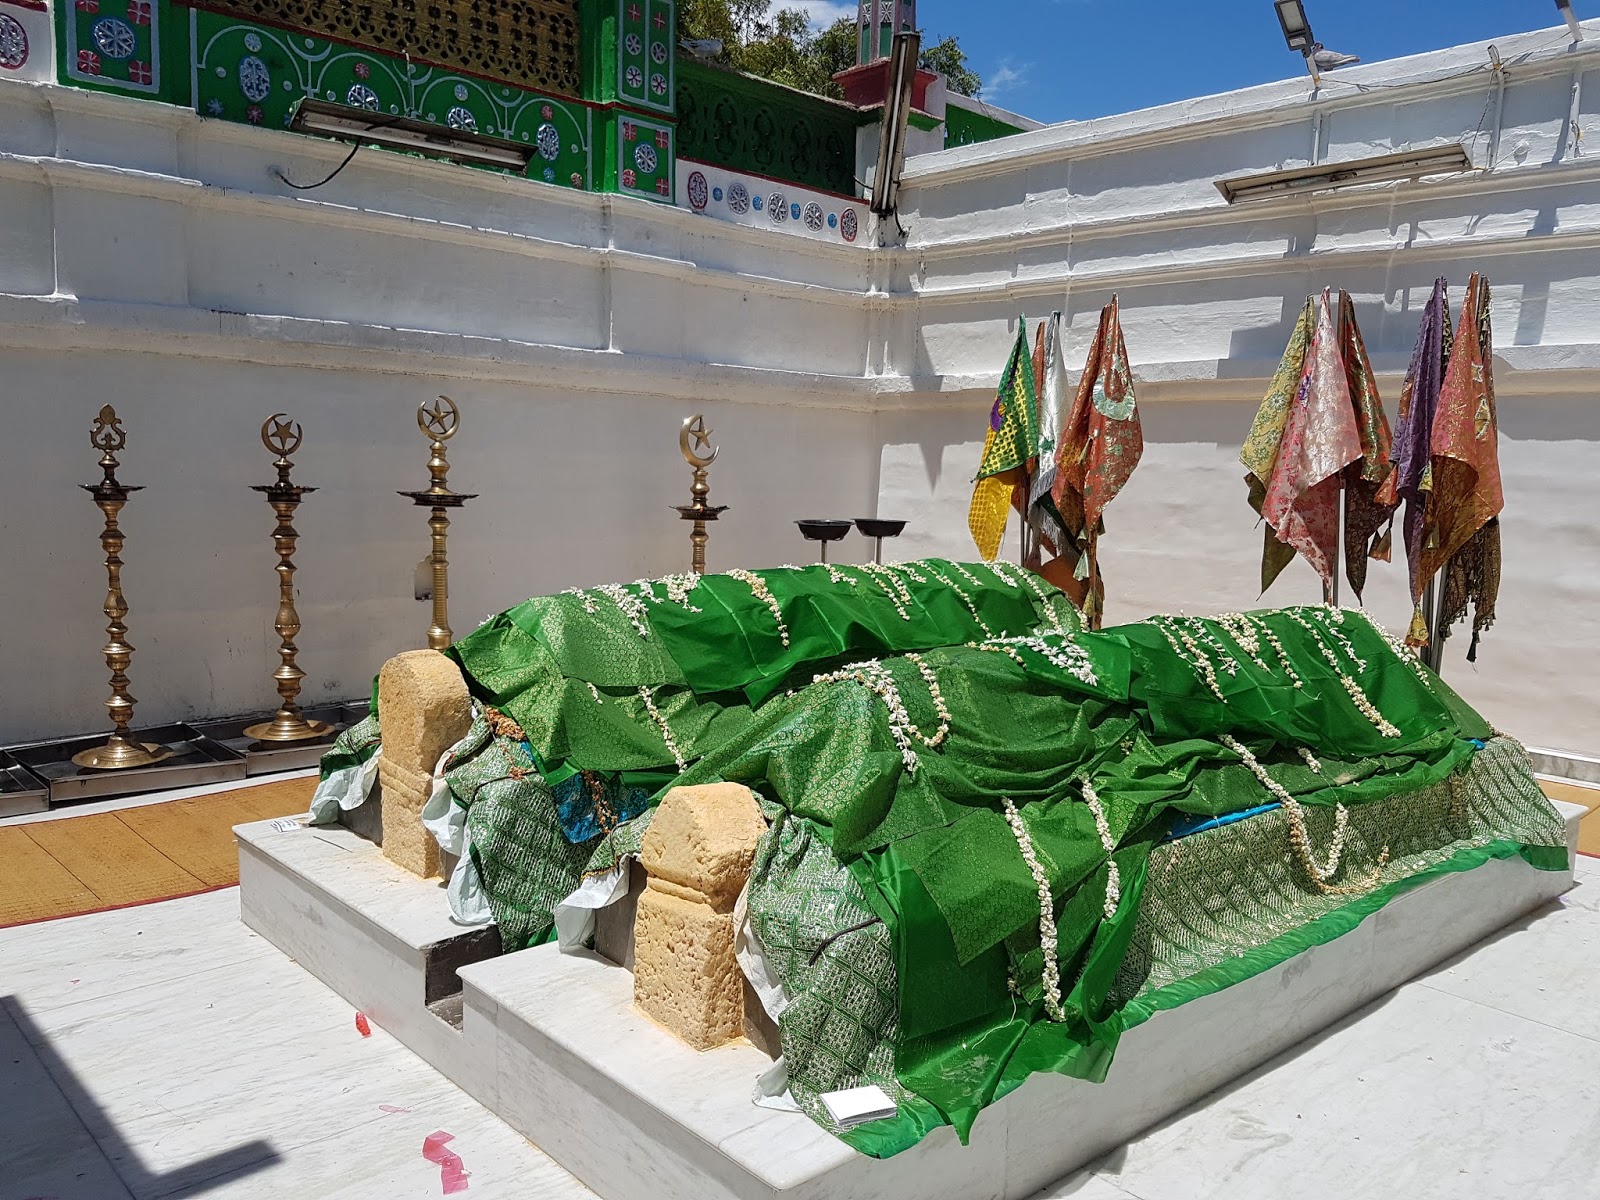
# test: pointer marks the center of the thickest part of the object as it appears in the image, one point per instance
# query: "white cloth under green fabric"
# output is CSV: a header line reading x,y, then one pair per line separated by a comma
x,y
349,770
445,818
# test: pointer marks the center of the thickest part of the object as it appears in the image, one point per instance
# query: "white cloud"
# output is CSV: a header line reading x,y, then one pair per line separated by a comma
x,y
1005,78
822,13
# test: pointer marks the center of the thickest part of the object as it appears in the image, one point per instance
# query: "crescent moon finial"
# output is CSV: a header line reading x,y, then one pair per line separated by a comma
x,y
694,428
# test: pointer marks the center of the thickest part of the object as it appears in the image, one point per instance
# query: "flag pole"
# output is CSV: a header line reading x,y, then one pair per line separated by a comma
x,y
1330,594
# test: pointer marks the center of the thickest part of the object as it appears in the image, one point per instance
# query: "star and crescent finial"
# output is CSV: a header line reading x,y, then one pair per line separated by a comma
x,y
695,428
439,420
281,434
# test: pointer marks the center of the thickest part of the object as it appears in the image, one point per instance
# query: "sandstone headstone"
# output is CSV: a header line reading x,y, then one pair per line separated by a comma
x,y
425,708
697,852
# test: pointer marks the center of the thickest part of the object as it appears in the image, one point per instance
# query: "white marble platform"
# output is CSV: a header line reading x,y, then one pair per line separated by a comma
x,y
552,1044
331,901
165,1051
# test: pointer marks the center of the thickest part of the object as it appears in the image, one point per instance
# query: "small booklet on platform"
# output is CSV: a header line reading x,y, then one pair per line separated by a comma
x,y
853,1106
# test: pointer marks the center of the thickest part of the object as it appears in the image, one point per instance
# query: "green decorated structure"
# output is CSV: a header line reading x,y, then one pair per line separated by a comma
x,y
595,92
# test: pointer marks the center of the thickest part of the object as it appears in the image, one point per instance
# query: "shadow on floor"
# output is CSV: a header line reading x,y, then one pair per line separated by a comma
x,y
61,1145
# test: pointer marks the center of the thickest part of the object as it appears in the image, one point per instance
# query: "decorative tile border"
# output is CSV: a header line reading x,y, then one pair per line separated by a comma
x,y
644,158
14,44
747,199
646,53
114,43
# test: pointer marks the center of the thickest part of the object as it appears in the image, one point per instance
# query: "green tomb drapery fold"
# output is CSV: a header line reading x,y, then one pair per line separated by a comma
x,y
941,746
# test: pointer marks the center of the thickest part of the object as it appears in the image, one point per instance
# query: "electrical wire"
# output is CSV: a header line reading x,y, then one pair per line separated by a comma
x,y
381,123
306,187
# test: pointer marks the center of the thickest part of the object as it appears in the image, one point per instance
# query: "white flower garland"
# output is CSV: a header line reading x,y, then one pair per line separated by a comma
x,y
1277,648
1204,634
838,576
661,723
1103,828
595,692
588,600
1239,628
1403,652
764,594
1047,914
1331,619
876,678
678,588
1312,760
1196,657
1299,835
1069,656
632,607
1357,696
1020,578
962,595
892,586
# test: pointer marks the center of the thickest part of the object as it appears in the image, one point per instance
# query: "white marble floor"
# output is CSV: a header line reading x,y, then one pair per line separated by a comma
x,y
168,1051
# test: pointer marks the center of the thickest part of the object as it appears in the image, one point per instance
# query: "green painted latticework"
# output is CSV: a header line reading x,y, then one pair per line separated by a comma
x,y
748,124
963,127
256,74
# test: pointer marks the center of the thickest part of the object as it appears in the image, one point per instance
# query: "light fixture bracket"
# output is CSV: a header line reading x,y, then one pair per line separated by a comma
x,y
394,132
1382,168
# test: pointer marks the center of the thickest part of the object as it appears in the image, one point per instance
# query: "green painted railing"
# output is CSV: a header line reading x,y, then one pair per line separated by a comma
x,y
749,124
963,127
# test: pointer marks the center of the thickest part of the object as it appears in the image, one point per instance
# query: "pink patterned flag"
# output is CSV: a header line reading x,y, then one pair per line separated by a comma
x,y
1320,439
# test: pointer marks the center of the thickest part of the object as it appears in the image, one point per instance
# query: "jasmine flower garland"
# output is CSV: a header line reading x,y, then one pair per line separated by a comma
x,y
1103,828
661,723
764,594
1047,914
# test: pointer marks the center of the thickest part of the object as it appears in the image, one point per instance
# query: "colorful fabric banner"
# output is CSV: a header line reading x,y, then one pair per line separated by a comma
x,y
1364,516
1051,378
1320,439
1101,443
1012,438
1460,521
1259,454
1411,479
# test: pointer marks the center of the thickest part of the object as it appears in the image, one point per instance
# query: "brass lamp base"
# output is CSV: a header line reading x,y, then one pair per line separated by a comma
x,y
119,754
288,728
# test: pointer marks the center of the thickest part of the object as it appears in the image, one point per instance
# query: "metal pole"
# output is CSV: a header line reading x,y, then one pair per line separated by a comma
x,y
1433,652
438,424
1330,594
121,750
282,437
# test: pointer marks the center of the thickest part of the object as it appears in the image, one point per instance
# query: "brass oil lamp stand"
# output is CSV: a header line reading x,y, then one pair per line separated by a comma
x,y
439,422
694,429
120,752
282,437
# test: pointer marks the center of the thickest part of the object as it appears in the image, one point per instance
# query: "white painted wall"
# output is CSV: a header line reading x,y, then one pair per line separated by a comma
x,y
1063,217
148,257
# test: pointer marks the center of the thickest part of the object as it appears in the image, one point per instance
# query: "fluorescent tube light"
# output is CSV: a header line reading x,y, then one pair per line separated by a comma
x,y
358,125
896,120
1384,168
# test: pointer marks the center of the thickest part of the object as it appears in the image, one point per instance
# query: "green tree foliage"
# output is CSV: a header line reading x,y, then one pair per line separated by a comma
x,y
947,58
780,46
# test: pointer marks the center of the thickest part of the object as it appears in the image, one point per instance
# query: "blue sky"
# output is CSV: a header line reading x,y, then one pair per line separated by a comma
x,y
1057,60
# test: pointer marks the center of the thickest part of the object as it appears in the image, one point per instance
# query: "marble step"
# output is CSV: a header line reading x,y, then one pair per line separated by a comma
x,y
371,931
553,1045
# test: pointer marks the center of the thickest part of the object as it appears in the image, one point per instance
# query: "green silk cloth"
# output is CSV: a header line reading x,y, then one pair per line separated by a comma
x,y
897,712
938,863
569,668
